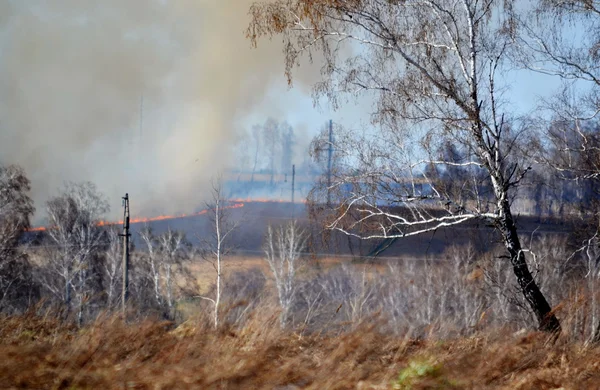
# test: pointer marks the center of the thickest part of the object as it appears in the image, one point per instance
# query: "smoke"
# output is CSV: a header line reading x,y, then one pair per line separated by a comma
x,y
138,96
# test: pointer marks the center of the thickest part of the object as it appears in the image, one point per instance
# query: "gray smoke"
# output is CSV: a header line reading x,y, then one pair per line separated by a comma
x,y
72,77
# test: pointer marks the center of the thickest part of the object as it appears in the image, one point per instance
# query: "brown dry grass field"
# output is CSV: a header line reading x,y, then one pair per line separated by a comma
x,y
204,271
37,352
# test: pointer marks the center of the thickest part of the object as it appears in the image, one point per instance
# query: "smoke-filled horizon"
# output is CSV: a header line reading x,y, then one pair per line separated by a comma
x,y
143,96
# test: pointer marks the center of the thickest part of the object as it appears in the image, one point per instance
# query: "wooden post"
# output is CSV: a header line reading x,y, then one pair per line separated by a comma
x,y
125,235
293,183
329,155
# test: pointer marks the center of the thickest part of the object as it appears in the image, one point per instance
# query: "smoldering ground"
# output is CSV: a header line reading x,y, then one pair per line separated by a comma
x,y
138,96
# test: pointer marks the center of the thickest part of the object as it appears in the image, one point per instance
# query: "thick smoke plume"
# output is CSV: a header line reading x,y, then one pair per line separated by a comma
x,y
75,77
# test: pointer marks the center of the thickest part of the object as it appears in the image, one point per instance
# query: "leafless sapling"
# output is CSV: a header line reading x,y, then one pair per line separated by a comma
x,y
165,256
217,244
283,252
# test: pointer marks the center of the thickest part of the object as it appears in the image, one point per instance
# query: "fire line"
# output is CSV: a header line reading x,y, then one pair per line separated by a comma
x,y
148,219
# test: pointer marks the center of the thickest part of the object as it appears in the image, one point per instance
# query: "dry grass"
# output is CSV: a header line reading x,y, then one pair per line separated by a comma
x,y
41,353
204,271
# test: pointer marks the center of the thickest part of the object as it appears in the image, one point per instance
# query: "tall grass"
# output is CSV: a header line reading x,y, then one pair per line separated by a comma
x,y
454,321
42,353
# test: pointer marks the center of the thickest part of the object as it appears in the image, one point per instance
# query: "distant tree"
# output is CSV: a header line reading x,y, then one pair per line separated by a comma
x,y
562,38
256,136
243,153
288,141
467,185
174,250
16,209
272,141
165,256
113,266
326,157
283,251
75,239
151,258
573,152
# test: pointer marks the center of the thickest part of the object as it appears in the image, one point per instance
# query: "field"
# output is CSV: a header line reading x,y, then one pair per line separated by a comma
x,y
254,218
37,352
204,273
448,331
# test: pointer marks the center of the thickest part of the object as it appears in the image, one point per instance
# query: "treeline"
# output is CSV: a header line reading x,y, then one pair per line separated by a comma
x,y
75,264
266,148
562,182
274,146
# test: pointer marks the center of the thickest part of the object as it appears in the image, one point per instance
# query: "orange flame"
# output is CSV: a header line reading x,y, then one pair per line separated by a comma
x,y
236,205
36,229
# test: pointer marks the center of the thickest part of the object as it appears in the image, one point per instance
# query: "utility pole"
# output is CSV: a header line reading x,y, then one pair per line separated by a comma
x,y
329,154
293,183
125,235
141,116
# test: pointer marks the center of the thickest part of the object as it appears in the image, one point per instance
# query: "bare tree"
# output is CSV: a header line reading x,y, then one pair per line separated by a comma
x,y
256,133
151,257
561,38
430,67
173,250
283,250
288,140
217,245
16,208
113,263
353,289
74,233
243,153
271,137
165,256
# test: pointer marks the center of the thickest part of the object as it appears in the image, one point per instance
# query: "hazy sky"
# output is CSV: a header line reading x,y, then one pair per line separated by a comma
x,y
72,73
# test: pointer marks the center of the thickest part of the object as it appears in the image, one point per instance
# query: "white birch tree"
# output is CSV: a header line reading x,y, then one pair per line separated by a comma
x,y
218,244
431,68
16,208
283,251
153,263
112,265
173,251
562,38
165,254
75,233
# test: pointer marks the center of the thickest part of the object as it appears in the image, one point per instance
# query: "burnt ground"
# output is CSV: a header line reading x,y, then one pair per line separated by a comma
x,y
255,217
